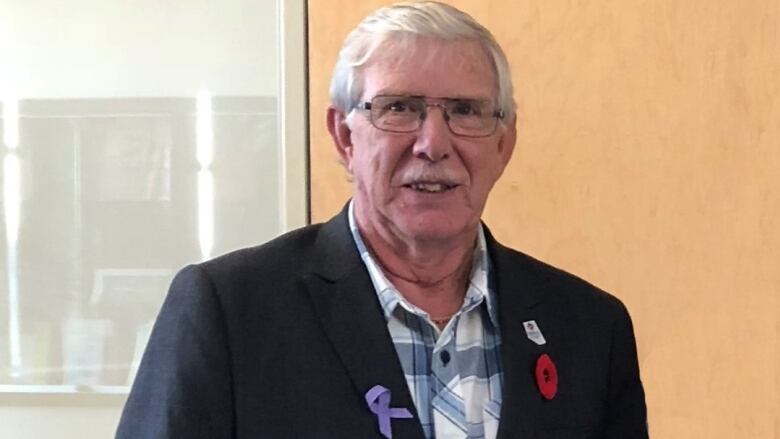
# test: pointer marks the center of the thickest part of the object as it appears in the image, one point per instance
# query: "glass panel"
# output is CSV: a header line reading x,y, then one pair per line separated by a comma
x,y
137,138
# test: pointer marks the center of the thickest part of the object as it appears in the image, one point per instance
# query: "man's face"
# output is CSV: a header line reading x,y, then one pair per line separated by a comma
x,y
430,184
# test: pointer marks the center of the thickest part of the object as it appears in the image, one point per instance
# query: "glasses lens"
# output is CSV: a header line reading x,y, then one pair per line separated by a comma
x,y
397,113
471,117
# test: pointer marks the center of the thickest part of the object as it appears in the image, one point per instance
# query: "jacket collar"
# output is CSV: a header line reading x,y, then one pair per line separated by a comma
x,y
521,295
343,298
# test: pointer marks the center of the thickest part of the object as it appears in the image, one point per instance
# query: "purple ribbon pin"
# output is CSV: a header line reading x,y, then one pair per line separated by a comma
x,y
378,399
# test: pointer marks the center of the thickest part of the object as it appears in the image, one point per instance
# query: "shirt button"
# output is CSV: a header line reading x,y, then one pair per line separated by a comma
x,y
445,357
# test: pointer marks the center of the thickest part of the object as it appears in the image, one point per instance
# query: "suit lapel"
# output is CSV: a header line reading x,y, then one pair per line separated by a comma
x,y
347,306
520,295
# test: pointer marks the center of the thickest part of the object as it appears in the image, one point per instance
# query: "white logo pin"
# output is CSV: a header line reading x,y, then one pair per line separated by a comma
x,y
533,332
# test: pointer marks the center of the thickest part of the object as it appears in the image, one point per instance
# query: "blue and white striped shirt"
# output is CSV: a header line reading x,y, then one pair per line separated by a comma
x,y
454,375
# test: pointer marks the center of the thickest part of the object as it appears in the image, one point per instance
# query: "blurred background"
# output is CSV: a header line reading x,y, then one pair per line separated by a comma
x,y
137,137
141,136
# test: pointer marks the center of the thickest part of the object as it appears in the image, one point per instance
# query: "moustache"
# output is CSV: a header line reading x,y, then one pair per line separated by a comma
x,y
428,174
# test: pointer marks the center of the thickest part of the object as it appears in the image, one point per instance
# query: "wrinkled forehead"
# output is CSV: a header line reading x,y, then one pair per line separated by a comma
x,y
415,65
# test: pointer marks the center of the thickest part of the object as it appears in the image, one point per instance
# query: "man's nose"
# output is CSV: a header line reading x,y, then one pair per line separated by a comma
x,y
434,140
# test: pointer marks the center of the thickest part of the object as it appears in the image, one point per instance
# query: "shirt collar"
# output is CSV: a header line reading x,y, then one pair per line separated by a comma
x,y
389,297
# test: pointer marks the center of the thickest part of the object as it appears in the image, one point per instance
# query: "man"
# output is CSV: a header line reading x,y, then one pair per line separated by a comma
x,y
402,316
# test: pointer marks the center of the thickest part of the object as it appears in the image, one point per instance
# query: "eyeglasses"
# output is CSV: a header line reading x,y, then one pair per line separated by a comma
x,y
405,114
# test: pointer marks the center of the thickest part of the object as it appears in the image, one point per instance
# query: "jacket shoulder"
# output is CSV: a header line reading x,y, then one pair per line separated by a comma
x,y
290,247
275,262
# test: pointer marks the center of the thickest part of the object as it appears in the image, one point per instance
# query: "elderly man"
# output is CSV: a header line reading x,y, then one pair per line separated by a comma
x,y
402,316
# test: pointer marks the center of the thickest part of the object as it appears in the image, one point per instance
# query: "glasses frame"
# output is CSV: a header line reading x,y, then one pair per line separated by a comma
x,y
368,106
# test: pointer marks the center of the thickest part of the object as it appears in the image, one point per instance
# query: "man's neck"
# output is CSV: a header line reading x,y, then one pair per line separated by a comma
x,y
432,275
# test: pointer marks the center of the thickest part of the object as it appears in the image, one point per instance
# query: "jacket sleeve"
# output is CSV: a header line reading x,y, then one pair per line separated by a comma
x,y
626,409
184,386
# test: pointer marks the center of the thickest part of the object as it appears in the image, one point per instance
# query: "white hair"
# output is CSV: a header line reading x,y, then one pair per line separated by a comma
x,y
397,24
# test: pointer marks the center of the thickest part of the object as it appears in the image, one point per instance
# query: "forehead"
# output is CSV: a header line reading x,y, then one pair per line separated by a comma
x,y
429,67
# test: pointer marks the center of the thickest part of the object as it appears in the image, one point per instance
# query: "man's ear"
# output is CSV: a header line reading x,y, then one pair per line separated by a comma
x,y
341,135
506,145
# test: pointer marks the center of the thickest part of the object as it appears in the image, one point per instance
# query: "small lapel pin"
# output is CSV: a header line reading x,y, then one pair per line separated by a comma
x,y
378,399
546,376
533,332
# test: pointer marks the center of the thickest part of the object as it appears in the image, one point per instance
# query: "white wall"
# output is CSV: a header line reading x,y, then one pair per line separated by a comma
x,y
139,48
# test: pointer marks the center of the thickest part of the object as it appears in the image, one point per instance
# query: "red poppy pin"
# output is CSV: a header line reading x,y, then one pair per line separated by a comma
x,y
546,376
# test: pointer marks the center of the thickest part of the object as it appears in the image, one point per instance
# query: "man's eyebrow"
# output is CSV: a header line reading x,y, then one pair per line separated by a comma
x,y
396,92
417,94
469,98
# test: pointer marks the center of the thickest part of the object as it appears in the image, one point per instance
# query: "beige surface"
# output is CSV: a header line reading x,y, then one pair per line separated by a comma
x,y
647,163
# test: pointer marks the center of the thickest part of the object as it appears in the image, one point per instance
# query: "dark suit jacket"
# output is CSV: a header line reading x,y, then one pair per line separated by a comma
x,y
284,340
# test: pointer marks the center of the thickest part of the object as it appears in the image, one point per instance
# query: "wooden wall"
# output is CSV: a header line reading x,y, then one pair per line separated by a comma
x,y
649,163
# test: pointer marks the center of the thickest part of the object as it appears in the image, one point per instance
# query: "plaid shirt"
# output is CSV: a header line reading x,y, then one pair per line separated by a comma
x,y
454,375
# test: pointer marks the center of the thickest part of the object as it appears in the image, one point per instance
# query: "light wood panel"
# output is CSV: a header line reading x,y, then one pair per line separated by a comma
x,y
648,162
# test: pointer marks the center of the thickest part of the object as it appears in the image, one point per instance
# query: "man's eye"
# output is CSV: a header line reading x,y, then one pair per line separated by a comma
x,y
465,108
399,107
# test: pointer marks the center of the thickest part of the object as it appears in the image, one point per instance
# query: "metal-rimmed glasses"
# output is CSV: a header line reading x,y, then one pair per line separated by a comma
x,y
405,114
